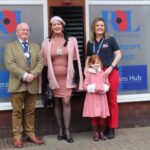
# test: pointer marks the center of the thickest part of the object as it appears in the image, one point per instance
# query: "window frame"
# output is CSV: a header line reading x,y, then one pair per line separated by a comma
x,y
7,105
121,98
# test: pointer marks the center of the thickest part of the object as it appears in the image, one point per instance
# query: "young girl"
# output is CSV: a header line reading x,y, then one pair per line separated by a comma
x,y
96,106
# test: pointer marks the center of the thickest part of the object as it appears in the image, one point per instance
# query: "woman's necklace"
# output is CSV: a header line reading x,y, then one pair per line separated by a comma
x,y
59,51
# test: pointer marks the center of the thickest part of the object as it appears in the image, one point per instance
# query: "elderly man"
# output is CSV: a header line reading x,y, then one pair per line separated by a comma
x,y
24,62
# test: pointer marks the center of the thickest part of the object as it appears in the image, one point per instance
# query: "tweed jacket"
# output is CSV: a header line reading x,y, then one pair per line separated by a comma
x,y
72,47
16,63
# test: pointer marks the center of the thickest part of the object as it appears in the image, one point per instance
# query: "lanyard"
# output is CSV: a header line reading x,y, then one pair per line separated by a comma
x,y
99,48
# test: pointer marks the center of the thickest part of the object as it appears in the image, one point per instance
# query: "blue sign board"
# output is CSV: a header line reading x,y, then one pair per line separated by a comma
x,y
133,77
4,75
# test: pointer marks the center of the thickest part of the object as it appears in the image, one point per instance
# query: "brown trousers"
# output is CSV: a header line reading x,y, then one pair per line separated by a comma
x,y
23,114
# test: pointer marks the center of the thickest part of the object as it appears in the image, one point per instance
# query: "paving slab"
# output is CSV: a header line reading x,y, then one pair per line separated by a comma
x,y
126,139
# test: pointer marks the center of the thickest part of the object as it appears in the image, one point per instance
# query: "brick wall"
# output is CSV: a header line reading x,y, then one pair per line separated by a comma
x,y
134,114
130,115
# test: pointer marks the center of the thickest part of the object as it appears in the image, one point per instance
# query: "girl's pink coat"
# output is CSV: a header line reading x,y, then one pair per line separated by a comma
x,y
96,104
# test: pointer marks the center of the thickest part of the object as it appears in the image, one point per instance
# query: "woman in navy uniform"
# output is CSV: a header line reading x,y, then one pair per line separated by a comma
x,y
106,47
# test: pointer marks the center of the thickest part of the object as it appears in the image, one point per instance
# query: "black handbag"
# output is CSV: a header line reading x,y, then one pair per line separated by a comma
x,y
47,95
76,77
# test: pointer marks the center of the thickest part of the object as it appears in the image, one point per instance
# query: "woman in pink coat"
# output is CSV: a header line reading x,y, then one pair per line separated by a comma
x,y
96,106
61,56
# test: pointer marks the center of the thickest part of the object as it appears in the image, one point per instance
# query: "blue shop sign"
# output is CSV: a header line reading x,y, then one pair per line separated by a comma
x,y
4,75
133,77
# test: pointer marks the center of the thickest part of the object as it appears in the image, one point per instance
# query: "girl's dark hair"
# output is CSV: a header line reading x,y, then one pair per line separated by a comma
x,y
66,36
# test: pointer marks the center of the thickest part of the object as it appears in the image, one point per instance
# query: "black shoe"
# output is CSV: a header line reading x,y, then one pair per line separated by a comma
x,y
60,135
70,140
111,133
68,136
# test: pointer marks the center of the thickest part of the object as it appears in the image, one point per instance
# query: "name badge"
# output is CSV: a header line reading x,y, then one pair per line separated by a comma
x,y
27,55
59,51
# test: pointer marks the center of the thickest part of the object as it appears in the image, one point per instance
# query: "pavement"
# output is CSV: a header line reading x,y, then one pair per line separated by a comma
x,y
126,139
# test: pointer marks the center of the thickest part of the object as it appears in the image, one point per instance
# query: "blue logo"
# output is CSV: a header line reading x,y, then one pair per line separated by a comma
x,y
120,21
9,20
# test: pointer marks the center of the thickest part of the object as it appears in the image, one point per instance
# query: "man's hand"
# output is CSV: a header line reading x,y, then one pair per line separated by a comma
x,y
30,77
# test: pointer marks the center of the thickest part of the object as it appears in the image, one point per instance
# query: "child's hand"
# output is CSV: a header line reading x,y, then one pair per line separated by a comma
x,y
106,88
91,88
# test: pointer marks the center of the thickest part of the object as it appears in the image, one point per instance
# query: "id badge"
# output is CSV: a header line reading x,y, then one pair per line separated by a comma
x,y
59,51
27,55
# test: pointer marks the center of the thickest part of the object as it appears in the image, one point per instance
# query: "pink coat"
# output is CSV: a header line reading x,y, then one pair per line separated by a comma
x,y
71,46
96,104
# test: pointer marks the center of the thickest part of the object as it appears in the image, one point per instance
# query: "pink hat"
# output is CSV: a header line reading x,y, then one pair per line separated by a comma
x,y
57,18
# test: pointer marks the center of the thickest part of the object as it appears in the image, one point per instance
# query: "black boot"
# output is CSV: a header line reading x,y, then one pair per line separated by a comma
x,y
111,133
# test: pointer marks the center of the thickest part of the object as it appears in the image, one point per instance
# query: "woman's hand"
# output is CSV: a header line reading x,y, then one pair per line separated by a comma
x,y
108,71
118,56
